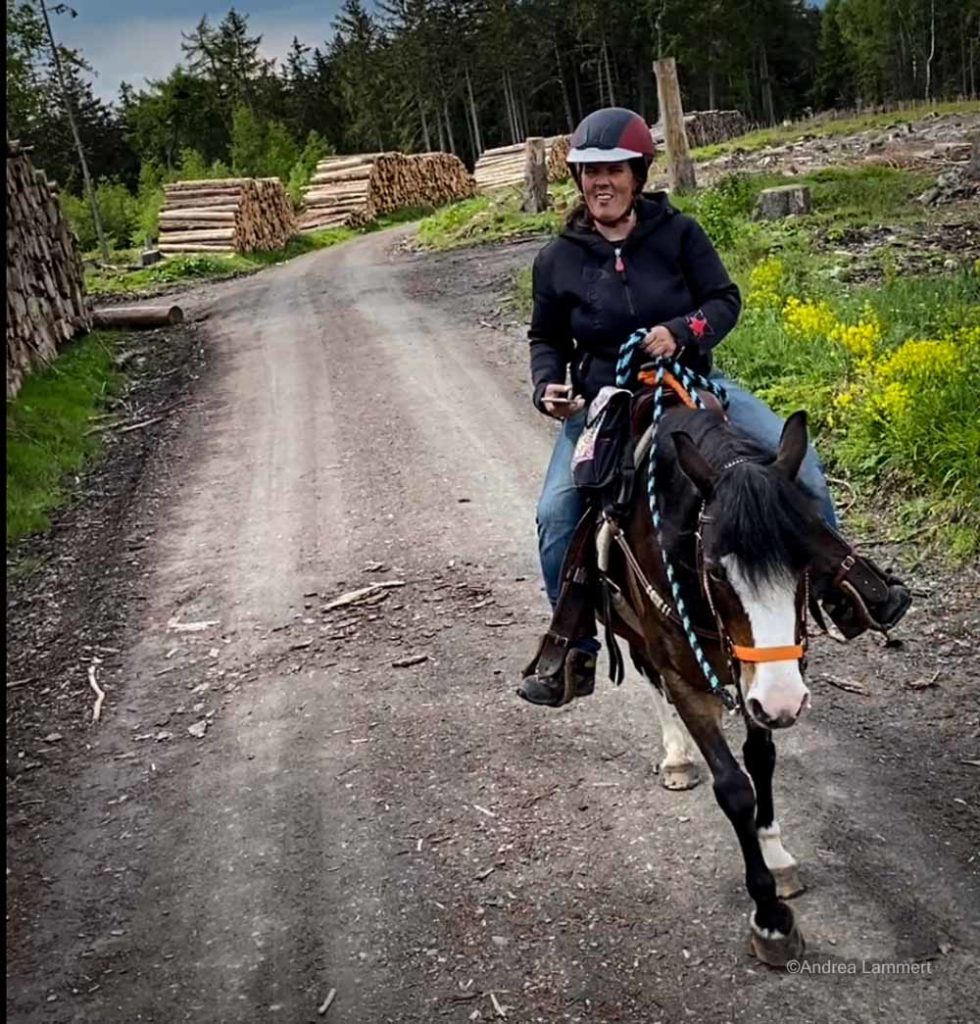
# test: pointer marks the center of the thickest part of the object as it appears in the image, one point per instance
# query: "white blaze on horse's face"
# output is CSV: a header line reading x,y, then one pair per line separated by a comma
x,y
774,692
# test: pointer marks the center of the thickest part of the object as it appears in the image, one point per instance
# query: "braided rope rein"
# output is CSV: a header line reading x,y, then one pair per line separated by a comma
x,y
691,381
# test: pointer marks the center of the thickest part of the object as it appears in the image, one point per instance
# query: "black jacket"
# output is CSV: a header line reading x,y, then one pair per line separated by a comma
x,y
588,299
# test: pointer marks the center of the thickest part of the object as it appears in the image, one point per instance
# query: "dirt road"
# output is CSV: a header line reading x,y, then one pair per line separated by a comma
x,y
416,838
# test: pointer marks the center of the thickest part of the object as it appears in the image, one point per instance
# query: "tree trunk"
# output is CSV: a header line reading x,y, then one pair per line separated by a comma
x,y
932,50
473,114
609,81
425,127
566,101
766,83
509,107
449,126
578,90
712,105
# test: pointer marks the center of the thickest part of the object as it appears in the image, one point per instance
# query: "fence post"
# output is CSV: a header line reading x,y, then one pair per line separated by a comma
x,y
535,176
682,177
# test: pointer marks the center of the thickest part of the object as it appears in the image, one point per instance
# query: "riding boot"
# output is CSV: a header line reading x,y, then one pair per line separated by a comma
x,y
574,678
856,594
560,670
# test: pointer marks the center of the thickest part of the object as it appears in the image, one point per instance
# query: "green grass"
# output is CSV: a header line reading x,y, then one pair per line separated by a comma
x,y
485,220
823,126
207,267
48,430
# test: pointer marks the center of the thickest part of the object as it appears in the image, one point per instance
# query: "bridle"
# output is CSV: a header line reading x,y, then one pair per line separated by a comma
x,y
738,654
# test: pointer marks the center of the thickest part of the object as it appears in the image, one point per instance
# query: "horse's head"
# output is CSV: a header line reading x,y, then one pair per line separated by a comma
x,y
756,542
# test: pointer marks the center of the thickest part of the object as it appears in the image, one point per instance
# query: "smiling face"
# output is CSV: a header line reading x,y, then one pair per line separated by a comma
x,y
608,190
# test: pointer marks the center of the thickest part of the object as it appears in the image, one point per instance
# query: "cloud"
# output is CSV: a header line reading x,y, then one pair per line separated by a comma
x,y
143,48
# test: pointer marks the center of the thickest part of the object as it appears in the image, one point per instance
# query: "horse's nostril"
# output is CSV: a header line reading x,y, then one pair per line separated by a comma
x,y
755,710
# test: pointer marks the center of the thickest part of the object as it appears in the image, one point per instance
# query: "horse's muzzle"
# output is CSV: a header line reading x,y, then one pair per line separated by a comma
x,y
777,718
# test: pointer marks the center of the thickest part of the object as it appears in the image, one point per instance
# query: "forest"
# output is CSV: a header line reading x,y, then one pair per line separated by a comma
x,y
460,76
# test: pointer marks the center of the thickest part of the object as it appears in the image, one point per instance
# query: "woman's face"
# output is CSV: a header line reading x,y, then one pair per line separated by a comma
x,y
608,190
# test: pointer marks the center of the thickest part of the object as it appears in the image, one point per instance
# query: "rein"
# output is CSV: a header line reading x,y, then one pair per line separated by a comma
x,y
686,382
690,381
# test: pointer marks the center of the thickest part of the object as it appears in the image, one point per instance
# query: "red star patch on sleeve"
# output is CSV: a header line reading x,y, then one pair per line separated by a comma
x,y
699,325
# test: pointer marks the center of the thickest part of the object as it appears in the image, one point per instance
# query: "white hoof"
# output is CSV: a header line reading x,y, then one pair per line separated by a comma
x,y
679,776
773,948
788,882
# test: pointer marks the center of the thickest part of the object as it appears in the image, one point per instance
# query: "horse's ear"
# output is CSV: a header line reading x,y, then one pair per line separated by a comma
x,y
792,445
700,472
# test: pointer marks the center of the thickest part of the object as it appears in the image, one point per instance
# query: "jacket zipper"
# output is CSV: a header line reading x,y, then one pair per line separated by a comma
x,y
621,270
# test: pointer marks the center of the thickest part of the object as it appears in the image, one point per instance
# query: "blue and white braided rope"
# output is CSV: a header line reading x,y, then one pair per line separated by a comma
x,y
691,381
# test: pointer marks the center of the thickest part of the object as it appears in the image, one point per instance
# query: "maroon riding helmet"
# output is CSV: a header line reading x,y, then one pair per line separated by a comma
x,y
611,135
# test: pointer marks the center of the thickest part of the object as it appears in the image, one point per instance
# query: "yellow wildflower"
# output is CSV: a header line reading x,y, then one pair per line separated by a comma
x,y
918,359
807,320
859,339
766,284
894,400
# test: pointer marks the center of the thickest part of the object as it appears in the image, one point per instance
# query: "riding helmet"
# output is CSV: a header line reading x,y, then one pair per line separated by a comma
x,y
610,135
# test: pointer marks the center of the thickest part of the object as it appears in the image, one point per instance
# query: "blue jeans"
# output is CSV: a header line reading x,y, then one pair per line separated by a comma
x,y
562,505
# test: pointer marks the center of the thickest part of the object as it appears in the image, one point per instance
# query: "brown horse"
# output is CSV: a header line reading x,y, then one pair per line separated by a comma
x,y
717,598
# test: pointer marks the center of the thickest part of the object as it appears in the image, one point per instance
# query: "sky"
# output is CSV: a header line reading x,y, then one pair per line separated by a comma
x,y
133,40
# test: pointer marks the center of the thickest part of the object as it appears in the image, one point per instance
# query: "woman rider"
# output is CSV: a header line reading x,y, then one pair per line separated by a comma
x,y
626,261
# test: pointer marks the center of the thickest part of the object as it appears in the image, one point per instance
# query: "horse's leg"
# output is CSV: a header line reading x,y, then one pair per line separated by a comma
x,y
680,768
759,753
775,937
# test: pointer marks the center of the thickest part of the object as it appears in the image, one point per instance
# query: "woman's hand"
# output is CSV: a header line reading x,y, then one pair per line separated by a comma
x,y
660,342
558,401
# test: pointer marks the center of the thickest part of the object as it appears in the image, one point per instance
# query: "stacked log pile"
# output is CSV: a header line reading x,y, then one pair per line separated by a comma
x,y
45,281
339,193
504,167
707,127
351,191
225,215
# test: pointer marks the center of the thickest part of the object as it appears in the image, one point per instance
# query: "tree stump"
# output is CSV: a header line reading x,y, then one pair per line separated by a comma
x,y
535,176
787,201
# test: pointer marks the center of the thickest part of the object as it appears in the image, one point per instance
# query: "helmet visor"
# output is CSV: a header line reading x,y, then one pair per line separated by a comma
x,y
594,155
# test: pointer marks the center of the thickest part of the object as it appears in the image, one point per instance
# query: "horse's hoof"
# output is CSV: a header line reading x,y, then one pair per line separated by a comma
x,y
788,883
679,776
773,948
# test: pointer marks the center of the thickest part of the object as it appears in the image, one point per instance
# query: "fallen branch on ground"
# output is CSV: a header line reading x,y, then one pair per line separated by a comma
x,y
99,693
353,596
331,995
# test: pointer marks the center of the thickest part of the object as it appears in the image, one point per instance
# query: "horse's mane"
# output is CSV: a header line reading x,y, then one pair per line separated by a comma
x,y
762,519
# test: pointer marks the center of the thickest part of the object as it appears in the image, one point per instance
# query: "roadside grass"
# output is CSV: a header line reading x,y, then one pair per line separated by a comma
x,y
49,435
205,266
486,220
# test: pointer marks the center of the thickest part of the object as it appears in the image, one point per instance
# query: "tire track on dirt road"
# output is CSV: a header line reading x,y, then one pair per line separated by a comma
x,y
397,833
